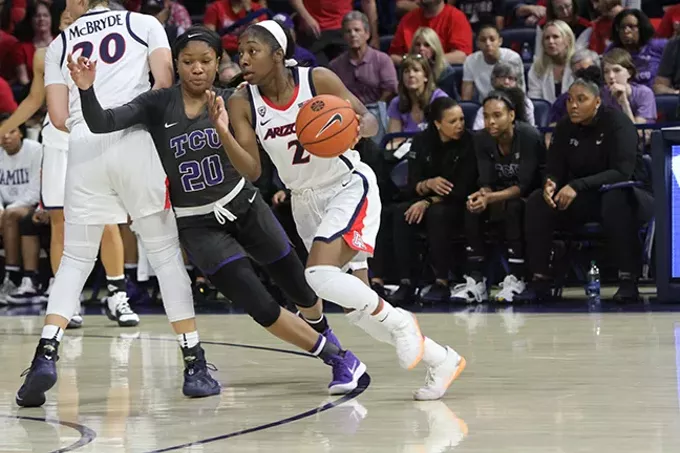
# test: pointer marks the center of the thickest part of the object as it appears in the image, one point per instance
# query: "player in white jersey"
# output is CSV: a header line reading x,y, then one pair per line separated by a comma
x,y
53,179
109,176
335,201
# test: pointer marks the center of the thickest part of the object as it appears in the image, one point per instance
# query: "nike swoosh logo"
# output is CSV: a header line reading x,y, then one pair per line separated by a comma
x,y
337,118
344,184
262,123
353,368
251,199
193,36
168,126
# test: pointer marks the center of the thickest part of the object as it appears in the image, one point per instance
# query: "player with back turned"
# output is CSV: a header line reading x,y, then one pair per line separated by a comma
x,y
335,200
222,218
110,176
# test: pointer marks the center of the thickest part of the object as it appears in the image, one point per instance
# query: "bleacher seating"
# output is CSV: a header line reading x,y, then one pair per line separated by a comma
x,y
541,112
515,38
385,42
667,107
469,112
452,84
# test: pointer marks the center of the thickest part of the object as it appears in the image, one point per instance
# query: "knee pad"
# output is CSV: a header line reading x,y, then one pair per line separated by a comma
x,y
320,277
81,242
239,283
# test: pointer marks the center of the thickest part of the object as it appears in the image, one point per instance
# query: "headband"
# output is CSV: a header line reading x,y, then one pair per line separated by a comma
x,y
277,32
198,34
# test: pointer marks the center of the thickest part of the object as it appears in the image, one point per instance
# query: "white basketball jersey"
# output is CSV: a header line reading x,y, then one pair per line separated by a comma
x,y
275,129
120,42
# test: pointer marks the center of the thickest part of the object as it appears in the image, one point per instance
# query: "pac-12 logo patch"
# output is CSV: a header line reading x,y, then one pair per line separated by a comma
x,y
262,110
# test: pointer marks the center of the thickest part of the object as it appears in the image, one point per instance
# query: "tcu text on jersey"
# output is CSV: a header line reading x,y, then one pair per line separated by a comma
x,y
196,140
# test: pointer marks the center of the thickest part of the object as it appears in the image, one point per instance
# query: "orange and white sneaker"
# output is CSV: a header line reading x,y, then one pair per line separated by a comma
x,y
408,340
440,377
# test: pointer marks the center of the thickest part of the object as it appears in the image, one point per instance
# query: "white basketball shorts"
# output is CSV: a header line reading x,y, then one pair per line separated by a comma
x,y
53,177
112,175
349,208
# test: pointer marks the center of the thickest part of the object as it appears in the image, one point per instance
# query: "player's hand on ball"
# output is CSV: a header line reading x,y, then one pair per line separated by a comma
x,y
83,71
217,111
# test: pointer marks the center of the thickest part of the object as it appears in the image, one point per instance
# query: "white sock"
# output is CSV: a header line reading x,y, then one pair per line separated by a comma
x,y
52,332
188,340
434,353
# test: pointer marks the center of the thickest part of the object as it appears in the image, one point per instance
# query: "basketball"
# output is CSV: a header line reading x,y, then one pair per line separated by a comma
x,y
326,126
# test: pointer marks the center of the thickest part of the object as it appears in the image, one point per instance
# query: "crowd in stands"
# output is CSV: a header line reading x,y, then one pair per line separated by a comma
x,y
473,84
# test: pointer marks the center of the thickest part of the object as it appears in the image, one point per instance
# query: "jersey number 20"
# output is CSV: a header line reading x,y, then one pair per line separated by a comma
x,y
111,49
300,157
199,175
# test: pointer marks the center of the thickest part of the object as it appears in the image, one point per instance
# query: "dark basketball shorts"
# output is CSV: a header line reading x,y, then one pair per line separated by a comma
x,y
255,233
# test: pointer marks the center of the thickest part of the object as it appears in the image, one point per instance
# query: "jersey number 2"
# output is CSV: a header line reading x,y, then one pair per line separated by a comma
x,y
299,157
111,49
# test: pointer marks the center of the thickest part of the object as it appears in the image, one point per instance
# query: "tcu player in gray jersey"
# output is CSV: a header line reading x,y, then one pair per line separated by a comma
x,y
222,218
109,176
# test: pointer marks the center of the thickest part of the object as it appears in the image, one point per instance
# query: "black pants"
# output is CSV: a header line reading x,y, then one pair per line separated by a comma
x,y
507,219
326,47
440,224
621,213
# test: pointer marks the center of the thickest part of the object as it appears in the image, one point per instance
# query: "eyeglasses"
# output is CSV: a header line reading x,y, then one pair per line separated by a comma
x,y
415,56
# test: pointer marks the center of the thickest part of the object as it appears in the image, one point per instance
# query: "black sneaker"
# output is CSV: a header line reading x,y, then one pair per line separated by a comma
x,y
379,290
198,382
535,291
438,293
41,376
627,292
403,296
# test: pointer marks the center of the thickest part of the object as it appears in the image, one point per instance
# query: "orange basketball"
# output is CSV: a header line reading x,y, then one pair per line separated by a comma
x,y
326,126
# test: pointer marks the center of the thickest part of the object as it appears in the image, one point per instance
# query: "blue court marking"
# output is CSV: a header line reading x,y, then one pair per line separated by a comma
x,y
87,435
363,384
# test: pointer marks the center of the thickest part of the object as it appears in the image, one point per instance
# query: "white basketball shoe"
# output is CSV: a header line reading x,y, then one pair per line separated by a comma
x,y
440,377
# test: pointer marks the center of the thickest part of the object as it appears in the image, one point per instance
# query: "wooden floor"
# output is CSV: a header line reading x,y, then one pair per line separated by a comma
x,y
543,383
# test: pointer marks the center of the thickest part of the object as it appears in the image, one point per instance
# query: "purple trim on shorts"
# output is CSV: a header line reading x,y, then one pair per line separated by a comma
x,y
213,271
354,216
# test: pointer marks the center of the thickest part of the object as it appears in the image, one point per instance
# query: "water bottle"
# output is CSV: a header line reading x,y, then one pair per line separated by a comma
x,y
593,285
526,53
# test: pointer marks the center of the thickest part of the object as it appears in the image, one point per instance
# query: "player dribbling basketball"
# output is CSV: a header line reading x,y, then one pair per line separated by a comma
x,y
335,201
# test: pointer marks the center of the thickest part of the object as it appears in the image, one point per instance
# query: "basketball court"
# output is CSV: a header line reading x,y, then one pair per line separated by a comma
x,y
535,382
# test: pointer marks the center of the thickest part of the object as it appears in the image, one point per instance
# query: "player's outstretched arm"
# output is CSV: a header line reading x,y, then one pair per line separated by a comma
x,y
241,147
102,121
35,98
327,82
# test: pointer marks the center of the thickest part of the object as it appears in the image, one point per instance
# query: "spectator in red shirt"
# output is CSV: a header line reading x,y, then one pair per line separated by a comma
x,y
601,30
11,13
322,32
670,24
448,21
7,44
34,32
7,103
223,13
173,13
